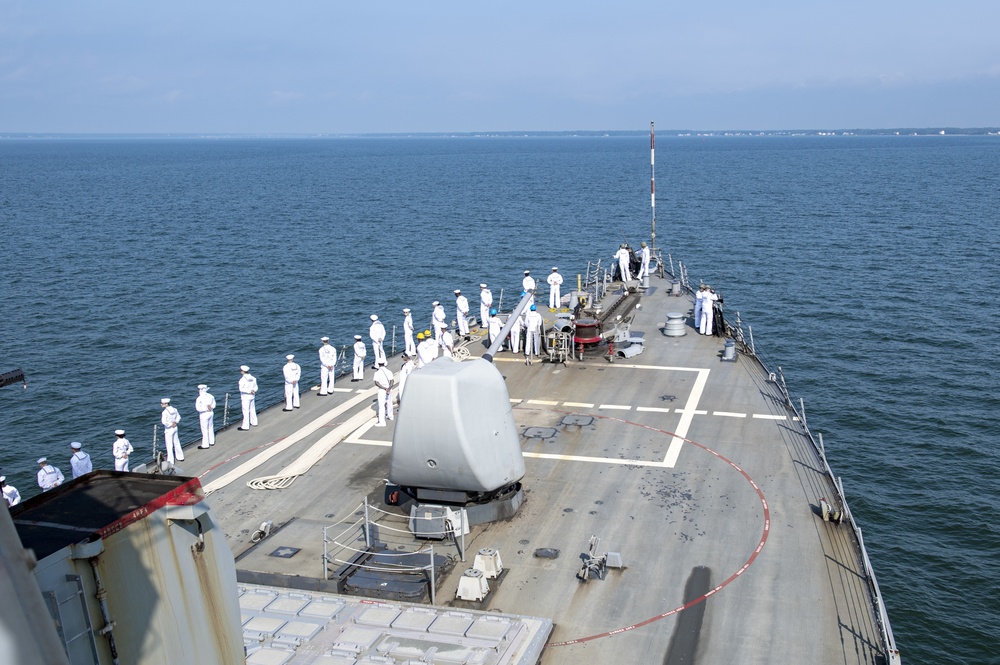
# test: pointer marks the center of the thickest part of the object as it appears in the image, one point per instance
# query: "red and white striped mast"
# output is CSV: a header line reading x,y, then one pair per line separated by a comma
x,y
652,180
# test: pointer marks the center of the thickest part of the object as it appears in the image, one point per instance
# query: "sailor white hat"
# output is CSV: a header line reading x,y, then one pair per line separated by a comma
x,y
119,432
42,460
202,386
244,368
374,317
482,286
357,337
76,445
526,272
458,290
436,303
165,400
324,339
290,357
3,478
406,310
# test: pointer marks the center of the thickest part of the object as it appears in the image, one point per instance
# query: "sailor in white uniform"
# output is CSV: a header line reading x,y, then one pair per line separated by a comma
x,y
10,493
80,461
360,351
292,373
438,322
516,330
327,366
494,326
204,404
533,331
708,310
644,257
248,398
170,418
377,334
404,373
447,341
411,347
624,256
383,381
427,349
48,475
121,450
462,313
698,296
555,281
485,304
528,284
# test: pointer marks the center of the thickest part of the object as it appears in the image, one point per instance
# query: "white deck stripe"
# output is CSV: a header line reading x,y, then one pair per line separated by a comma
x,y
655,409
596,460
729,414
579,405
687,415
542,401
616,407
767,416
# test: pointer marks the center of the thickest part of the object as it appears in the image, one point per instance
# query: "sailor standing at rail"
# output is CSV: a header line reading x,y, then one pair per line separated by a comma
x,y
10,493
708,310
48,475
80,461
462,313
423,354
377,334
438,322
204,404
327,366
121,450
555,281
248,398
169,417
360,351
404,372
644,265
528,284
699,294
411,347
485,303
383,381
533,331
292,372
624,257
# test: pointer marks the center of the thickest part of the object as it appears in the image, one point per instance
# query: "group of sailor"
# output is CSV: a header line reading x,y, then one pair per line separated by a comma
x,y
420,349
624,257
50,476
704,309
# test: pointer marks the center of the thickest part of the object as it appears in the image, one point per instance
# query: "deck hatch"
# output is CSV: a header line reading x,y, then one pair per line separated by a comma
x,y
540,433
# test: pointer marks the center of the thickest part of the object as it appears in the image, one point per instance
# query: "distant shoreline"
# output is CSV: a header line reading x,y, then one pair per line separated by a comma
x,y
664,133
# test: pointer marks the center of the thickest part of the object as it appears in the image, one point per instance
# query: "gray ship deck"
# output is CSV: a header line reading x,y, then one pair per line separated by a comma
x,y
693,469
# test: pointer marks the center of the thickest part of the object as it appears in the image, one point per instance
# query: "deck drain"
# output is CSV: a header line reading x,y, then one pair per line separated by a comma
x,y
285,552
577,420
540,433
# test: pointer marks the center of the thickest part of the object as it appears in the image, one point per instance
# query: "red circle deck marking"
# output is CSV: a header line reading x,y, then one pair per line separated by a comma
x,y
727,581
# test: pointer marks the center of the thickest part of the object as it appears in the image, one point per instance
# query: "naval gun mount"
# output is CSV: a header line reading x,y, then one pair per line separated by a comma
x,y
456,443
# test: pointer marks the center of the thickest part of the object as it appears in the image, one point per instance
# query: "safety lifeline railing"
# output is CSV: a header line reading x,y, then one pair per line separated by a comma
x,y
875,594
374,526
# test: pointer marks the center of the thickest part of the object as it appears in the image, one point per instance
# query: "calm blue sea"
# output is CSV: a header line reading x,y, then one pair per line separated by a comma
x,y
866,266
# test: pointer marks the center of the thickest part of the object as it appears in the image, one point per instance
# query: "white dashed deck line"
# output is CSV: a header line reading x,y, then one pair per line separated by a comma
x,y
729,414
616,407
652,409
767,416
579,405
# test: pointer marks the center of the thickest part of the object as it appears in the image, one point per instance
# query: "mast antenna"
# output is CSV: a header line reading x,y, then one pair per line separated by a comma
x,y
652,181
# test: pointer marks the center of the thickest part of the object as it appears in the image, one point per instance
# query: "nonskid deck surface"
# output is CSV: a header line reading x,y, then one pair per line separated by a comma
x,y
691,467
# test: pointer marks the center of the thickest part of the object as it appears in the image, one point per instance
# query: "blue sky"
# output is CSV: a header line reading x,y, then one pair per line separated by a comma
x,y
357,67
